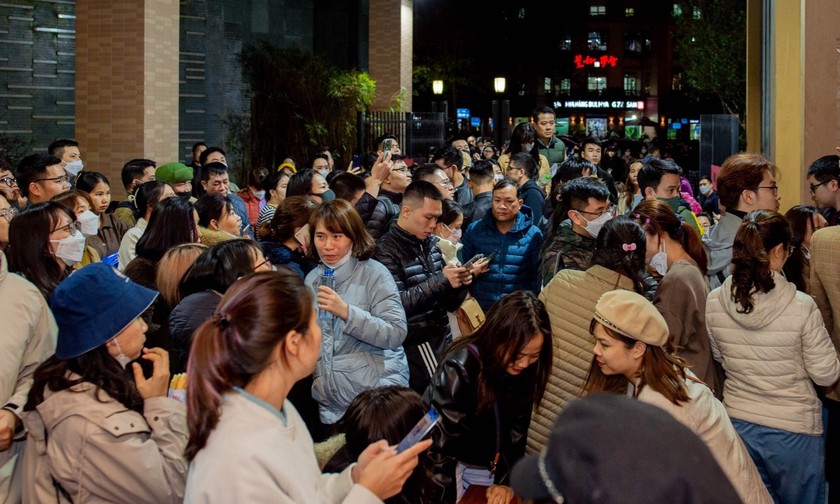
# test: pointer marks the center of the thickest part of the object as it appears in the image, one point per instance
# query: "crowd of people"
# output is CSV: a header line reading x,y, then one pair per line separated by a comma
x,y
537,301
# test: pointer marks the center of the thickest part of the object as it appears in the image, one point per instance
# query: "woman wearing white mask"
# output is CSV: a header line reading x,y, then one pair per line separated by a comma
x,y
96,434
448,229
44,244
675,253
80,203
361,314
111,229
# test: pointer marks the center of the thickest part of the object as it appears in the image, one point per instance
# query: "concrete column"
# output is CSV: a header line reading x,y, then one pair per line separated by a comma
x,y
801,73
391,51
126,83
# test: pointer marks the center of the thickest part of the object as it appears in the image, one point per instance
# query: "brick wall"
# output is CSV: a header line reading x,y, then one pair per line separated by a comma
x,y
390,53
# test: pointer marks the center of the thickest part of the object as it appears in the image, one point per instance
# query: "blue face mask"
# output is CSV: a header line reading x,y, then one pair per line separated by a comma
x,y
704,189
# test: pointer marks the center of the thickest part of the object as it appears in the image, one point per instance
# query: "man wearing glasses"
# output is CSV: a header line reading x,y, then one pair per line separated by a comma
x,y
824,181
8,184
746,182
40,177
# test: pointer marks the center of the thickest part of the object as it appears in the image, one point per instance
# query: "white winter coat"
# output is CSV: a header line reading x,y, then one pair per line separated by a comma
x,y
771,356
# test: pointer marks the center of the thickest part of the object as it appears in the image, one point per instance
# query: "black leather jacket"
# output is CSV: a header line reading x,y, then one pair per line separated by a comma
x,y
417,268
468,436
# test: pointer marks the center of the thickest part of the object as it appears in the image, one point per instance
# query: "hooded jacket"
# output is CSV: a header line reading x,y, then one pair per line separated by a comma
x,y
718,241
771,355
98,450
517,260
364,351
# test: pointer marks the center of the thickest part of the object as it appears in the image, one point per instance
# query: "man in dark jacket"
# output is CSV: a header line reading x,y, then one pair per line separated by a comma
x,y
481,184
390,196
522,169
451,161
428,289
509,233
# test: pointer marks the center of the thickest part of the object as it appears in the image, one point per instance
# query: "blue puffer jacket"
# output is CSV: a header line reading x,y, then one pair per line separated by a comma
x,y
517,261
365,351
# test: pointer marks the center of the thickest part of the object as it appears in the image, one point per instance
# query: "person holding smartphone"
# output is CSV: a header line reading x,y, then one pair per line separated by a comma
x,y
484,389
247,441
285,241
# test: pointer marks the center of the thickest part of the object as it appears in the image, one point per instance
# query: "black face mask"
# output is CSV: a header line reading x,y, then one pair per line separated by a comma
x,y
184,195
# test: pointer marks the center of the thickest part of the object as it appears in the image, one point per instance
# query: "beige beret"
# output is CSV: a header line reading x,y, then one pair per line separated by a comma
x,y
631,315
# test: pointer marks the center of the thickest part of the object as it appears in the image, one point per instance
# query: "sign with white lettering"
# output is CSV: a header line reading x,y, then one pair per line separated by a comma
x,y
600,104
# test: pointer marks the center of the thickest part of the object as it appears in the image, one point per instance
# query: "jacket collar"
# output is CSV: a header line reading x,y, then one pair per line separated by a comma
x,y
343,272
391,195
405,236
524,219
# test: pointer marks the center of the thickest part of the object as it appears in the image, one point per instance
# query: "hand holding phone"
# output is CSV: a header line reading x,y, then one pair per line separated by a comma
x,y
472,261
423,427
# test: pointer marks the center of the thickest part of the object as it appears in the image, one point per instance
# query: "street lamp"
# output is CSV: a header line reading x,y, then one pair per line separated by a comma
x,y
499,84
437,87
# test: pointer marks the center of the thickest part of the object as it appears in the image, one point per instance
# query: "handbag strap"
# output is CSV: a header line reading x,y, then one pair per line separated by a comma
x,y
474,351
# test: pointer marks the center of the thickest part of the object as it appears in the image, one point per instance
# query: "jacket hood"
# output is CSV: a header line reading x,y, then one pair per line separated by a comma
x,y
767,306
524,220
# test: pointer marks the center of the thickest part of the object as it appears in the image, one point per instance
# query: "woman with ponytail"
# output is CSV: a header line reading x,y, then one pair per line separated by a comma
x,y
772,344
675,252
146,197
247,441
617,263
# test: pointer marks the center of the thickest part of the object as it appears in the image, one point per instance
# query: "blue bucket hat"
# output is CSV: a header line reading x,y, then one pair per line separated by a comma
x,y
93,305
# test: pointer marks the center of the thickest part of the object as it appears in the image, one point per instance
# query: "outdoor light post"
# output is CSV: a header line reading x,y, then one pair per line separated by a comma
x,y
501,111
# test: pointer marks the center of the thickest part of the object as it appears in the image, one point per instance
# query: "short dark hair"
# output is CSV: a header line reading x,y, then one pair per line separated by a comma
x,y
369,159
653,170
346,185
211,169
317,155
211,207
526,162
197,145
419,190
575,195
300,184
134,170
825,168
57,148
425,171
451,211
450,156
86,181
210,150
381,138
588,141
505,183
481,172
542,110
31,168
218,267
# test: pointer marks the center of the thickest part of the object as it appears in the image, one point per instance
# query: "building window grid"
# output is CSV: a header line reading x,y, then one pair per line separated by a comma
x,y
597,10
596,41
597,83
629,11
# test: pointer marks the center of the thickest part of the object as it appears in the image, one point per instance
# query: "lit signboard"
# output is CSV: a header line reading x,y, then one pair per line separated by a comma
x,y
582,61
462,113
475,122
601,104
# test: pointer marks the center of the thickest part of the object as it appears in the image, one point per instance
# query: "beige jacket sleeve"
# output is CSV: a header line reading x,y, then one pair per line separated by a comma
x,y
818,352
126,458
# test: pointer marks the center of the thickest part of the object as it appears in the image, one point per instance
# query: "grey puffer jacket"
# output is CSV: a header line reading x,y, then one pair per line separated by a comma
x,y
365,350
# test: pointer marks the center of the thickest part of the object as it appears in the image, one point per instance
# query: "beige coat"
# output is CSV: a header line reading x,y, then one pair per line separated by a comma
x,y
570,299
707,418
27,339
102,451
825,285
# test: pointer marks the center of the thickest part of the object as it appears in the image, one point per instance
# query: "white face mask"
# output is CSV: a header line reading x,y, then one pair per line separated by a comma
x,y
122,358
527,147
74,168
593,227
70,249
498,176
89,222
659,261
340,262
455,236
259,194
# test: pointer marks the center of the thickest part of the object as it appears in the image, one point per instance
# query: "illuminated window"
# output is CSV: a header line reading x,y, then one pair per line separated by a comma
x,y
597,10
566,86
631,84
677,10
629,12
596,41
564,42
596,83
522,13
547,84
696,14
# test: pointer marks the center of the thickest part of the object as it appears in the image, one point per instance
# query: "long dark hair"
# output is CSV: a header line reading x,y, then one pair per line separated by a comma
x,y
300,184
387,413
620,247
524,133
293,212
29,252
657,218
171,223
510,324
96,367
212,207
800,217
147,195
760,231
218,267
231,348
662,370
630,186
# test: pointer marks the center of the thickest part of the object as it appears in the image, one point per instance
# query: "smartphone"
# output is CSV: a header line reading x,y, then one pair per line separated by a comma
x,y
302,236
492,256
472,261
386,149
357,160
423,427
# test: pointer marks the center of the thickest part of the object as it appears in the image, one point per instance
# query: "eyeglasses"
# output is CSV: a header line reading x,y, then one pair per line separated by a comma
x,y
401,169
609,210
9,213
71,228
773,188
59,180
815,186
9,181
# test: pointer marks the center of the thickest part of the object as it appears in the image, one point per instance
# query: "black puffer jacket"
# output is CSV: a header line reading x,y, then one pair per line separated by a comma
x,y
468,436
383,213
190,313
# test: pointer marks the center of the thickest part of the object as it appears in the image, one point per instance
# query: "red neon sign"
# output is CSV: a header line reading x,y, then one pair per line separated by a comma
x,y
582,61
